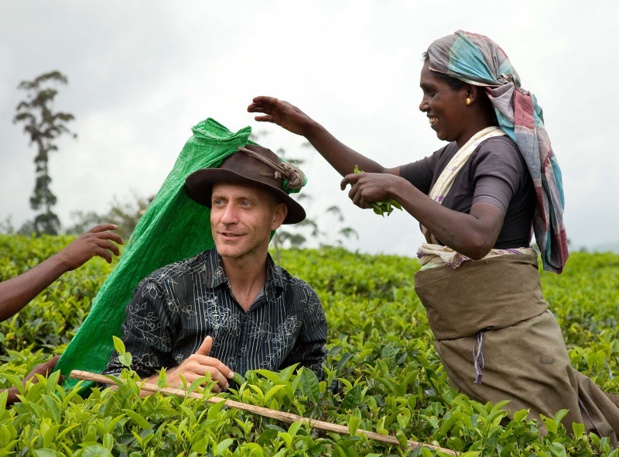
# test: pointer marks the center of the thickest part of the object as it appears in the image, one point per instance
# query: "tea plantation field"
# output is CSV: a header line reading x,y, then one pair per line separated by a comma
x,y
380,351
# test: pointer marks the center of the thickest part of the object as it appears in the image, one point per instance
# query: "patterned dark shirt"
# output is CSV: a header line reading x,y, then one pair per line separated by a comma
x,y
179,305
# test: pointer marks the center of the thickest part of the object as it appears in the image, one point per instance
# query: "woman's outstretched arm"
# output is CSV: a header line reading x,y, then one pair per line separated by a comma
x,y
288,116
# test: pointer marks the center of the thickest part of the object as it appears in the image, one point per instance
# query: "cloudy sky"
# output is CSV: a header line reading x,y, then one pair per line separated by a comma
x,y
142,73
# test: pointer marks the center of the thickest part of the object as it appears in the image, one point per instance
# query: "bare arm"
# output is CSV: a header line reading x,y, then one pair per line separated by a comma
x,y
473,234
17,292
43,369
288,116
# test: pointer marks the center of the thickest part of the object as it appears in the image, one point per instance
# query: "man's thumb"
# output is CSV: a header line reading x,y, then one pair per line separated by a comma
x,y
206,346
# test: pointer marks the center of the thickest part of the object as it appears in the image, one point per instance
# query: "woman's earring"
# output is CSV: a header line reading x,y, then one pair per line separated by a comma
x,y
468,101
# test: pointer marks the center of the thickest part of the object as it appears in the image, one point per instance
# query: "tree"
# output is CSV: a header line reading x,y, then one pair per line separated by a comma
x,y
43,126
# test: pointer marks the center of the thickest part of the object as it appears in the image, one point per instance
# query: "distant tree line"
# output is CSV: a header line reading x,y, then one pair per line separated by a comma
x,y
124,213
44,126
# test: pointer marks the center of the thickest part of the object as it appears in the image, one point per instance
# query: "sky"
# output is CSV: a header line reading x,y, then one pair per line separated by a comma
x,y
142,73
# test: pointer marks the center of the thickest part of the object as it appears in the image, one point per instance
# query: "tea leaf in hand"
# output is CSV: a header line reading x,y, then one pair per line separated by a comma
x,y
381,208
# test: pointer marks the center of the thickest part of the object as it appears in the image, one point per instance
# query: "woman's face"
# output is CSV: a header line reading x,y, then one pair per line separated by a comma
x,y
444,106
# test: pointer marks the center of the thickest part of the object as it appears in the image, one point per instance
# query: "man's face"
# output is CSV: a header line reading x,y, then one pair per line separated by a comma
x,y
242,219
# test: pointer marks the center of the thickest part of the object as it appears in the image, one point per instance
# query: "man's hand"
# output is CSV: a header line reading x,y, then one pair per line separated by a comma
x,y
97,241
197,365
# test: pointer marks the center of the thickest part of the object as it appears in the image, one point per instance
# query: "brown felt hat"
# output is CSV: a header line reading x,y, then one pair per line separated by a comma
x,y
259,166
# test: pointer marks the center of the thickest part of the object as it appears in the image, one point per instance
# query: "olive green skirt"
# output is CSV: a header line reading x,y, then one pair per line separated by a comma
x,y
492,312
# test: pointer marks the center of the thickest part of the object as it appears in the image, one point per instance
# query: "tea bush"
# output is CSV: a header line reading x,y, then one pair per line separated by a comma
x,y
381,360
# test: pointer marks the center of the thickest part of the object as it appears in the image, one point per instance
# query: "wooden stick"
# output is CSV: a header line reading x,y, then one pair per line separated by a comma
x,y
260,410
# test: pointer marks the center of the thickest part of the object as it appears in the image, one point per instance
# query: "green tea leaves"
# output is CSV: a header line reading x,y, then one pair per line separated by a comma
x,y
381,208
309,383
240,380
382,373
124,357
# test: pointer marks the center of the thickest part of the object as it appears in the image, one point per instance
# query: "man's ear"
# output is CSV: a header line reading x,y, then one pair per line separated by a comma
x,y
281,211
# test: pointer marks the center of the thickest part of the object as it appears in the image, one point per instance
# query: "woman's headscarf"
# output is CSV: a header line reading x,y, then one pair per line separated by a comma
x,y
476,59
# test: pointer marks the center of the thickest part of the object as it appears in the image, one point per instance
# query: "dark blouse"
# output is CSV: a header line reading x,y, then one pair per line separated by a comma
x,y
495,173
179,305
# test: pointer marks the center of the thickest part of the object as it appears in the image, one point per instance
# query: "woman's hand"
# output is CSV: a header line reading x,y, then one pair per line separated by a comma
x,y
97,241
17,292
288,116
368,188
281,113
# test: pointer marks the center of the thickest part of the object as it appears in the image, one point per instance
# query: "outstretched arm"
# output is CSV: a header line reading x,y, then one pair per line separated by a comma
x,y
288,116
17,292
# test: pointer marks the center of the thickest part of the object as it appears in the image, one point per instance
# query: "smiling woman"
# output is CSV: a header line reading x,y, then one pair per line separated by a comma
x,y
478,199
450,103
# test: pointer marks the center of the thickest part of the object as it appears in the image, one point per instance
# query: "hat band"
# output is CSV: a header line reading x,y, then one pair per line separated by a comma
x,y
285,169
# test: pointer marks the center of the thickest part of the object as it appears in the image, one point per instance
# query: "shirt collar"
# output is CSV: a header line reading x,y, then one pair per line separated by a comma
x,y
215,275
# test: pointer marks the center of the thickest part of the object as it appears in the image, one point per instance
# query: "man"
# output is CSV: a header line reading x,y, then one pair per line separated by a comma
x,y
230,308
17,292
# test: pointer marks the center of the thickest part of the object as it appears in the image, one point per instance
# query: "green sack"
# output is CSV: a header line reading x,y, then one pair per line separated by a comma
x,y
173,228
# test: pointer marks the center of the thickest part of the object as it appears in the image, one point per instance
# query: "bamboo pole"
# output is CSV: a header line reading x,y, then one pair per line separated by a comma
x,y
262,411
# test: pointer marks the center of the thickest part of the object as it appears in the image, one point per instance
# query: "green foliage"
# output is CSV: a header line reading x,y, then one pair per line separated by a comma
x,y
125,214
382,373
584,300
50,320
43,126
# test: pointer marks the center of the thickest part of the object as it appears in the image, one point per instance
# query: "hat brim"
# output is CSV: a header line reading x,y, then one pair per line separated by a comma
x,y
199,187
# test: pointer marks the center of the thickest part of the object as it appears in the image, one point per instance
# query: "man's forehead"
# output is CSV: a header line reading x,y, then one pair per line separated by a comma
x,y
240,190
